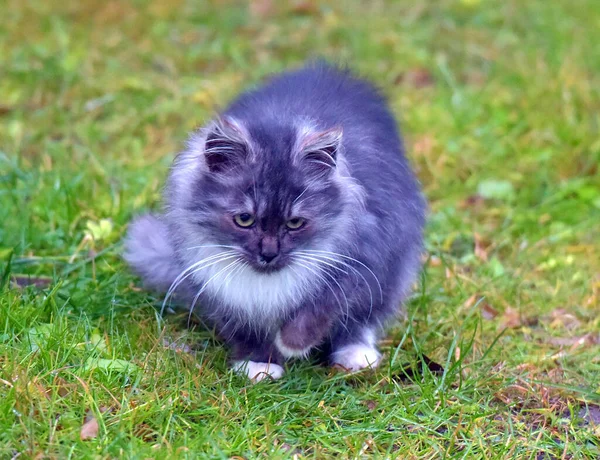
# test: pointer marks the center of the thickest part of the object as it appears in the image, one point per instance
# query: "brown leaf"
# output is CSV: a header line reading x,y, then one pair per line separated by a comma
x,y
261,8
471,301
423,146
4,109
511,318
419,77
306,7
562,318
89,429
62,387
487,311
480,247
145,433
370,404
574,342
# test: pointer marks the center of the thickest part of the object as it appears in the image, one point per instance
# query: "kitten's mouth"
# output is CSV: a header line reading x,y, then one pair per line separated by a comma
x,y
271,267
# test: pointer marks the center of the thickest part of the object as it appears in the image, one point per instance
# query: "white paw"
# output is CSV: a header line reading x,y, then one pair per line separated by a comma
x,y
290,352
356,357
258,371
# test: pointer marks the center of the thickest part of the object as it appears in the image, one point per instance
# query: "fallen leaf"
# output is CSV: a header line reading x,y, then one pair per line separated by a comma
x,y
307,7
62,387
562,318
480,247
261,8
419,77
89,429
471,301
511,318
4,109
370,404
145,433
487,311
574,342
423,146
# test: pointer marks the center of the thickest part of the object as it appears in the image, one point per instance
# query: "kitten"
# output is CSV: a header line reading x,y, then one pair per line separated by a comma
x,y
292,221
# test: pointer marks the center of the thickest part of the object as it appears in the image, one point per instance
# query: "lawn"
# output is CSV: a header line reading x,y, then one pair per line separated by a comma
x,y
500,105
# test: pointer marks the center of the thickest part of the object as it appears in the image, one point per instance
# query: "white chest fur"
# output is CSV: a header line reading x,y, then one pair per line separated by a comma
x,y
258,297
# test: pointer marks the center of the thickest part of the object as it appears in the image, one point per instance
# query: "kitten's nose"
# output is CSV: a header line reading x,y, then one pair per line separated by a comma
x,y
267,257
269,249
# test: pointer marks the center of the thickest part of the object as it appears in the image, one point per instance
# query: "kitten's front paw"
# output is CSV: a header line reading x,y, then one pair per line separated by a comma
x,y
290,350
356,357
258,371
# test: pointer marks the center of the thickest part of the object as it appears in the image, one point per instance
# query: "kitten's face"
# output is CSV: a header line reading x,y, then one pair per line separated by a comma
x,y
270,216
265,199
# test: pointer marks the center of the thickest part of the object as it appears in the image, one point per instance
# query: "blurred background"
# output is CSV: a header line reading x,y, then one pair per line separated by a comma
x,y
499,102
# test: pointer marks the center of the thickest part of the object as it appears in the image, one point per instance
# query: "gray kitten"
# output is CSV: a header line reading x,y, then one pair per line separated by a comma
x,y
292,221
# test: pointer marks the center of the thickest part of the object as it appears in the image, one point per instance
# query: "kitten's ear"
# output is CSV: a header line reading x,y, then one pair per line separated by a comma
x,y
226,145
320,149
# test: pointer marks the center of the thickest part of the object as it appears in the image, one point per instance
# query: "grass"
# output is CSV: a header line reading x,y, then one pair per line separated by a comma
x,y
499,101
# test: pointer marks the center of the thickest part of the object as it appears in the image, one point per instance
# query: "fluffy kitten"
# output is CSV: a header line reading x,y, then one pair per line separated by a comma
x,y
292,221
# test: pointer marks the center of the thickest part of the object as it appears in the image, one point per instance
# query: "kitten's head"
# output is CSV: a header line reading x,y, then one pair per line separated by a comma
x,y
269,192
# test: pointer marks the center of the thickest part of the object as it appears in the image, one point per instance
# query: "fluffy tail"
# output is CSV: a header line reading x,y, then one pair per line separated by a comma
x,y
149,252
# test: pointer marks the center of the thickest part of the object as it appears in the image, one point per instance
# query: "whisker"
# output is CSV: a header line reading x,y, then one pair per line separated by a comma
x,y
225,282
205,285
317,259
191,270
213,246
353,260
235,272
313,264
335,267
324,280
300,196
182,276
345,264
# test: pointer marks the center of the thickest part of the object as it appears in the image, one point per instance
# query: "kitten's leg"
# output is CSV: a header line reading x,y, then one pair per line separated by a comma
x,y
355,349
304,331
257,359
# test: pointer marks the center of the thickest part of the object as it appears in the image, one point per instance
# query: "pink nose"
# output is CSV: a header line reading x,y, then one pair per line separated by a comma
x,y
269,249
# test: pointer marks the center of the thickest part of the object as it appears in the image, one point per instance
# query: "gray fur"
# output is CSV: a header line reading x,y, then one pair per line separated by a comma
x,y
317,144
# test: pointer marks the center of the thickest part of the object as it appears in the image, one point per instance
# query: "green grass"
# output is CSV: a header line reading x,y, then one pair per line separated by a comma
x,y
500,103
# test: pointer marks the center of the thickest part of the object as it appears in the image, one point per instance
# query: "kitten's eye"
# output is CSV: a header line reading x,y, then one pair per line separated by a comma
x,y
295,223
244,220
